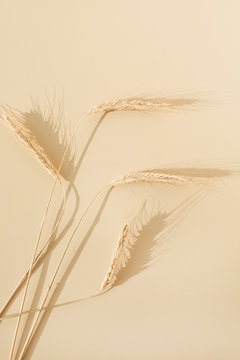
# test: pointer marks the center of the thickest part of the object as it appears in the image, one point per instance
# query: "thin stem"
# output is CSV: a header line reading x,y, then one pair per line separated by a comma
x,y
26,312
37,259
41,255
31,332
36,248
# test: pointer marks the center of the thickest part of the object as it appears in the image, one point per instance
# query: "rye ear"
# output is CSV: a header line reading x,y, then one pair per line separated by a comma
x,y
124,248
155,176
13,119
144,104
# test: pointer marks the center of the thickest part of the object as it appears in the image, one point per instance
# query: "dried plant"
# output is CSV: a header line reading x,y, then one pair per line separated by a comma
x,y
131,229
122,253
120,257
155,176
14,120
127,240
149,216
52,133
144,104
47,122
45,298
17,122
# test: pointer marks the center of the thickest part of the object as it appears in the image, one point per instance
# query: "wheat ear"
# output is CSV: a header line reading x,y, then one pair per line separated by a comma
x,y
144,104
122,253
120,257
14,121
155,176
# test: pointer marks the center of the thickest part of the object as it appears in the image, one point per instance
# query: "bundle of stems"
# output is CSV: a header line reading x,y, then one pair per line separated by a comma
x,y
128,104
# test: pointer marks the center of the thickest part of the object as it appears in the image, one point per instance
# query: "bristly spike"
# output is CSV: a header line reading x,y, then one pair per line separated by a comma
x,y
144,104
155,177
122,253
14,121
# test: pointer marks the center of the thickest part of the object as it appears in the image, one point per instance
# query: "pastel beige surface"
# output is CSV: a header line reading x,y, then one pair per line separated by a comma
x,y
178,296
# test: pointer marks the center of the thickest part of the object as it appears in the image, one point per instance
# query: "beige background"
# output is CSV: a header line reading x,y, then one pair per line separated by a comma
x,y
186,304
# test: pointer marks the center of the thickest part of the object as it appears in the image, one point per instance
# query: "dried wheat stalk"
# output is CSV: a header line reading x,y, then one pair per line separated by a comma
x,y
14,121
145,104
155,176
133,104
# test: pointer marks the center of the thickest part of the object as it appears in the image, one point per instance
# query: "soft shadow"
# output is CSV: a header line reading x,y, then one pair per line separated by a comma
x,y
154,238
51,132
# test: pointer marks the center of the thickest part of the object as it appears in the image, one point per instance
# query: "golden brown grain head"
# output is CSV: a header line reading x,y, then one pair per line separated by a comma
x,y
144,104
53,133
14,121
119,260
155,177
123,251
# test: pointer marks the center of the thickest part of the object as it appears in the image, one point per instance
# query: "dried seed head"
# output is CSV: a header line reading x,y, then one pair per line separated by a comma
x,y
14,121
154,177
144,104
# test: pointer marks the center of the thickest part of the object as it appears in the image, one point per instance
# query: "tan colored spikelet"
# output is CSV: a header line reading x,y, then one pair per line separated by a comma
x,y
154,177
125,244
14,121
144,104
120,257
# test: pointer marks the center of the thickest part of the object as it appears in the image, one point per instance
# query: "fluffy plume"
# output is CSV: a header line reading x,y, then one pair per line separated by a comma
x,y
144,104
154,177
13,119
